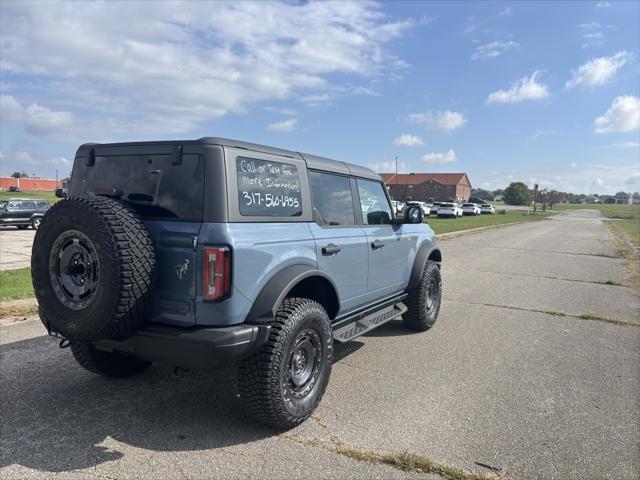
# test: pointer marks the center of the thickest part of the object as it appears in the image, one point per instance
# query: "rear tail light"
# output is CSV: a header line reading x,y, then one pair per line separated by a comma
x,y
216,273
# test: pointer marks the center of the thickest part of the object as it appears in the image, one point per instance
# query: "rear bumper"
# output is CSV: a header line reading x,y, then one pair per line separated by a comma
x,y
194,348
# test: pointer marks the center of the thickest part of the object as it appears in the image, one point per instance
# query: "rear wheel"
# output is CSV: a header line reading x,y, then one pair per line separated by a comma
x,y
284,382
92,266
424,300
108,364
35,223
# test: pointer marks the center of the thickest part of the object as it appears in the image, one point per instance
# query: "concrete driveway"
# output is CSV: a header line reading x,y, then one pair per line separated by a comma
x,y
15,247
496,383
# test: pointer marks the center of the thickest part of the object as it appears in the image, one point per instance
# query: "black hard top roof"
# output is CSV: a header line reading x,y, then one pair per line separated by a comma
x,y
313,161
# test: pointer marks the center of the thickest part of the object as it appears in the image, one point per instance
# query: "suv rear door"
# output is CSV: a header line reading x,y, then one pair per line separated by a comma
x,y
341,245
388,245
167,191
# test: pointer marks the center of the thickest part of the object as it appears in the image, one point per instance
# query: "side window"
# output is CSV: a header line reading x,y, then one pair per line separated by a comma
x,y
14,205
270,189
332,198
374,203
43,205
28,206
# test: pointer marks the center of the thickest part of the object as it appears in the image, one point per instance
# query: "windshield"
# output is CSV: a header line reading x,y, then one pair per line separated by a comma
x,y
3,203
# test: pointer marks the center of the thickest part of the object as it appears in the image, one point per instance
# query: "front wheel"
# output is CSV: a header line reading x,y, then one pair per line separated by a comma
x,y
424,300
284,382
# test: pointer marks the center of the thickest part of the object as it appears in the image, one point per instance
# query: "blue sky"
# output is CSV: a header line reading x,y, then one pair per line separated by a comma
x,y
543,92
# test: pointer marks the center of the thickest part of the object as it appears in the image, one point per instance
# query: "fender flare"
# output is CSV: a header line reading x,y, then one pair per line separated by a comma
x,y
278,287
424,252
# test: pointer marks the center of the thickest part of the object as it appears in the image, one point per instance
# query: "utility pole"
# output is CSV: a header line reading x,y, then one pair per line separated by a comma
x,y
396,175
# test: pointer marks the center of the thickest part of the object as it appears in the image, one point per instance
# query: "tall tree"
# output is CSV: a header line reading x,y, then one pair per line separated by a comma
x,y
517,193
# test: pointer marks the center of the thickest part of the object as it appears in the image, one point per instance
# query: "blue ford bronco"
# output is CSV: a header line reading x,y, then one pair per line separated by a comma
x,y
198,253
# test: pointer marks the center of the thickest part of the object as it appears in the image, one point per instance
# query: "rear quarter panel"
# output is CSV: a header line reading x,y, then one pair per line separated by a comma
x,y
259,251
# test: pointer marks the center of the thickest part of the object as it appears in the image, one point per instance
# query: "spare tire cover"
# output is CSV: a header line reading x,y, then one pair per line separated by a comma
x,y
92,267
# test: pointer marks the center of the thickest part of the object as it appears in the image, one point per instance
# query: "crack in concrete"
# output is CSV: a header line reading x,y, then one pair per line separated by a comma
x,y
583,316
404,461
596,282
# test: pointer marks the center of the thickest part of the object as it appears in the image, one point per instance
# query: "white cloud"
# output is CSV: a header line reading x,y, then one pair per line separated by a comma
x,y
527,88
624,145
573,165
505,12
622,116
35,118
600,179
189,62
440,158
446,121
493,50
407,140
316,100
283,126
389,166
23,160
540,133
603,4
598,71
592,34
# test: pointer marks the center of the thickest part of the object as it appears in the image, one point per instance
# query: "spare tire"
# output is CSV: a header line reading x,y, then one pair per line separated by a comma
x,y
92,268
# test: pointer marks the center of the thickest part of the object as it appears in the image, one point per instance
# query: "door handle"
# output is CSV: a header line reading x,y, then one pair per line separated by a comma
x,y
377,245
331,249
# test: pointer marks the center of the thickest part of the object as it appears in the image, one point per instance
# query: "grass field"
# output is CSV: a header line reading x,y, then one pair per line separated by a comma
x,y
15,284
446,225
41,194
609,211
629,227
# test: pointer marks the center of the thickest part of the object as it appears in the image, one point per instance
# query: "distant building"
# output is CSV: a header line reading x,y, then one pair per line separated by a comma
x,y
27,183
623,198
428,187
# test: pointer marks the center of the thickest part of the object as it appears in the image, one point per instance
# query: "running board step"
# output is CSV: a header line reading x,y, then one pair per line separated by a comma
x,y
362,325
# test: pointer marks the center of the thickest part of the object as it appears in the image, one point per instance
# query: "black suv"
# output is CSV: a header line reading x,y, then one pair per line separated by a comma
x,y
22,212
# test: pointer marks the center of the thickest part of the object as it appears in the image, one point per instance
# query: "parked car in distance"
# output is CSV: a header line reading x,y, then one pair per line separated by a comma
x,y
14,189
22,212
423,206
477,200
471,209
434,208
60,192
486,208
397,206
449,210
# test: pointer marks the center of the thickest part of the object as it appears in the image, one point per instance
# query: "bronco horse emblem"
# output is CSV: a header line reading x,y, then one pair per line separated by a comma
x,y
182,269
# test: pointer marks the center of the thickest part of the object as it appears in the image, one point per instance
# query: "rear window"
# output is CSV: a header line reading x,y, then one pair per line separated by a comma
x,y
151,184
267,188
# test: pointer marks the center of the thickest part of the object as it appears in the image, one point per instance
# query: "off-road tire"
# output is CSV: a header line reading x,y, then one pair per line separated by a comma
x,y
113,365
421,313
121,258
264,378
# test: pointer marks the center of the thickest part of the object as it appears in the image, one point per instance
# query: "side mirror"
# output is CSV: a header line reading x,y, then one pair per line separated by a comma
x,y
414,214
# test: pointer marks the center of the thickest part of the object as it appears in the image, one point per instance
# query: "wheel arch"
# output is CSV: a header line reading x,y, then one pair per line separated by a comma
x,y
427,251
295,280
